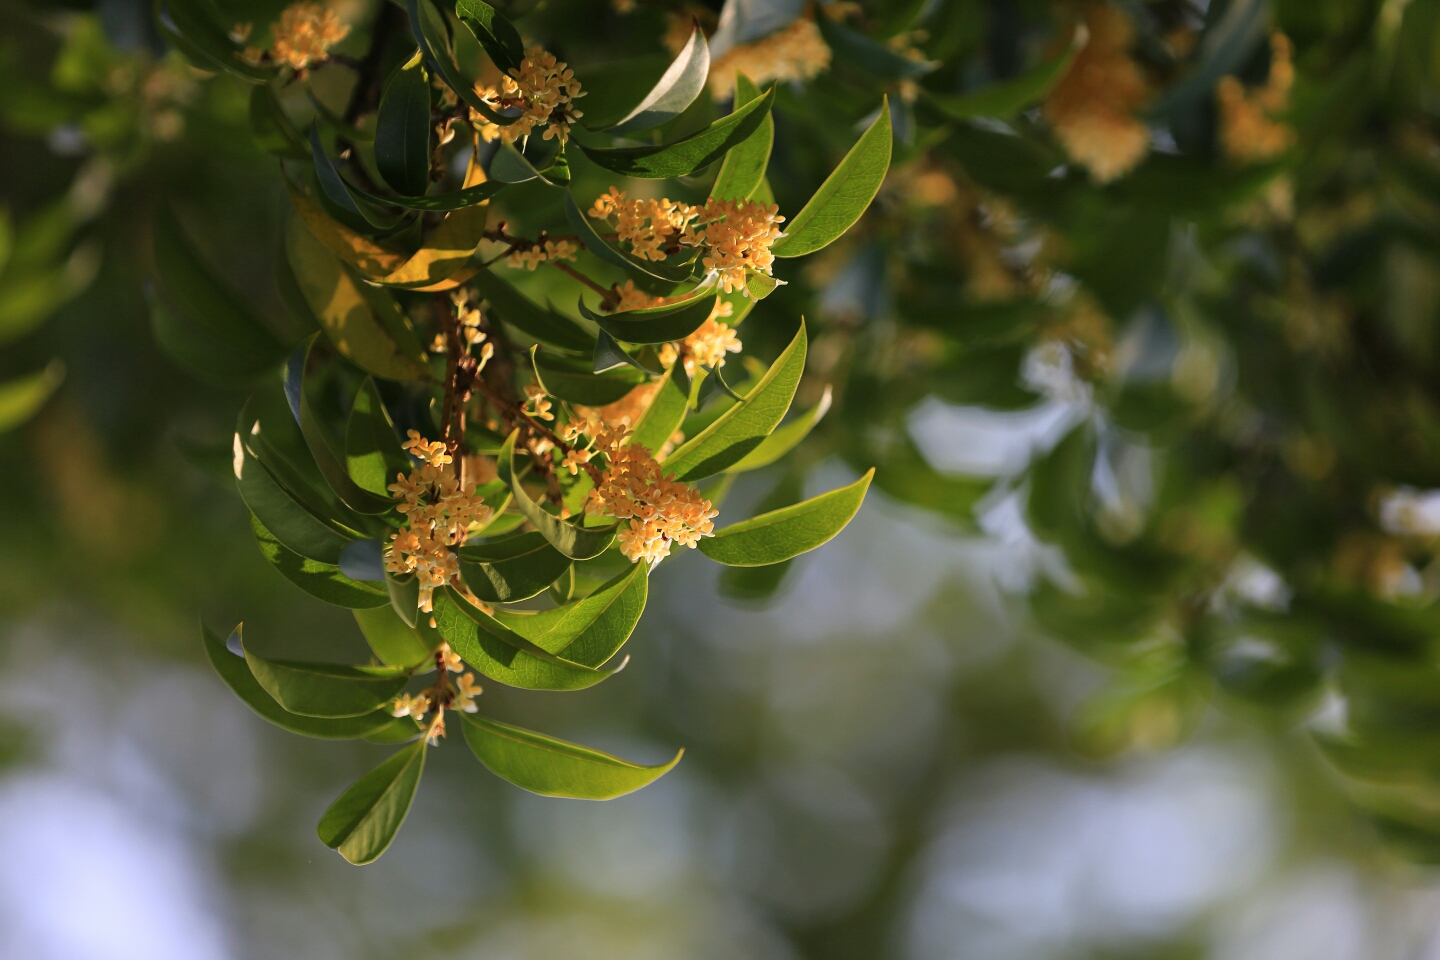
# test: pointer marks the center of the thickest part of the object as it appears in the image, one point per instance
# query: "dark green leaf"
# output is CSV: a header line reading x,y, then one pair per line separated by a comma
x,y
364,820
589,631
676,90
210,331
287,519
1008,97
497,652
544,325
395,642
844,195
194,27
402,131
431,33
322,580
577,543
328,690
742,428
497,35
869,56
237,677
744,168
338,192
685,157
507,571
760,583
271,129
373,455
578,383
788,532
663,324
555,768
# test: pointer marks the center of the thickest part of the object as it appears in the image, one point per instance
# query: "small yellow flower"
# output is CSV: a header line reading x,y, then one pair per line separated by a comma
x,y
537,404
466,690
407,705
574,459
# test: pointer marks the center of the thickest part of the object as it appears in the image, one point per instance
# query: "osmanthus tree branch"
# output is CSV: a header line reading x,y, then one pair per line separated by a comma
x,y
518,243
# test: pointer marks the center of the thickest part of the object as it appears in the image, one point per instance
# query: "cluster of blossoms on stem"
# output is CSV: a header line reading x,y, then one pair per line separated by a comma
x,y
467,312
459,695
1249,131
439,513
543,88
795,53
661,510
733,236
532,256
302,38
1093,109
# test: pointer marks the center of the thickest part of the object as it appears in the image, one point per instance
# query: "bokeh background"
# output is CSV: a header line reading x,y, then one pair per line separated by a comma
x,y
886,759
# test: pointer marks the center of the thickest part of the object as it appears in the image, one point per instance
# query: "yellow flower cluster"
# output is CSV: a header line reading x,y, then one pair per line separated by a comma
x,y
734,236
439,513
1249,132
543,88
537,404
539,253
661,510
457,696
303,37
1093,108
796,53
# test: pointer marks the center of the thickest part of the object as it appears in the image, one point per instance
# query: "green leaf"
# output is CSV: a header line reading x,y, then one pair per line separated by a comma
x,y
597,245
322,580
333,464
577,382
497,35
744,168
868,55
233,670
330,690
496,651
784,439
402,131
664,415
395,642
280,512
364,820
341,194
515,309
431,32
22,398
685,157
437,202
399,730
788,532
271,435
507,571
360,320
741,429
271,130
760,583
844,195
555,768
676,90
663,324
404,592
577,543
210,330
373,455
194,27
1007,98
589,631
